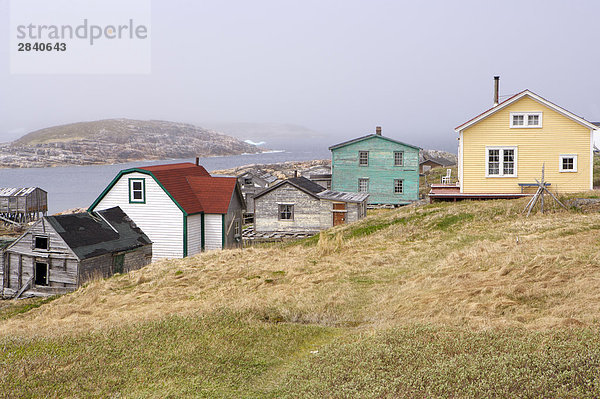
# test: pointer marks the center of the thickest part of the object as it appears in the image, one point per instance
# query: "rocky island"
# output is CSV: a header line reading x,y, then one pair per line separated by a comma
x,y
117,141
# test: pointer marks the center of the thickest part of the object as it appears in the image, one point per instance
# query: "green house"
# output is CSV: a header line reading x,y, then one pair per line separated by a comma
x,y
385,168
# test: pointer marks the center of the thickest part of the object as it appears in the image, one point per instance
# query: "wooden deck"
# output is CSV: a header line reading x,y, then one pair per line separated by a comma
x,y
445,192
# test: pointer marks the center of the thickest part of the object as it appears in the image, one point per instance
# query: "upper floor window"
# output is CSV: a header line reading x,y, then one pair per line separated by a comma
x,y
501,162
363,185
40,242
398,158
363,158
137,191
525,119
568,163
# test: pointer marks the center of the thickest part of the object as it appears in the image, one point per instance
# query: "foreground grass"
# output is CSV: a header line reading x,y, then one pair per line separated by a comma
x,y
217,355
227,355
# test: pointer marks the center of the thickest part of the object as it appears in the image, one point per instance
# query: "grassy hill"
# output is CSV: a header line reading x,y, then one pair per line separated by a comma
x,y
463,300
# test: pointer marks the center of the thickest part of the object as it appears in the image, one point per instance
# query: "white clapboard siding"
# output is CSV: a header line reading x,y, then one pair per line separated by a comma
x,y
160,218
194,231
213,231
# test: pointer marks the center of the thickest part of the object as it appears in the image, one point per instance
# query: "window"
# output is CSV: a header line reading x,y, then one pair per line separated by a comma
x,y
247,181
398,158
501,162
286,212
398,186
568,163
525,119
40,242
363,185
137,191
363,158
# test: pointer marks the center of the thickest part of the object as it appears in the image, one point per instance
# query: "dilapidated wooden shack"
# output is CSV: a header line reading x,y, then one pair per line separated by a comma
x,y
22,205
59,253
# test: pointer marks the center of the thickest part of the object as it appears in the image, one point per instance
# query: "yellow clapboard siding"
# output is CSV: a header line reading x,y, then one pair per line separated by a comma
x,y
535,146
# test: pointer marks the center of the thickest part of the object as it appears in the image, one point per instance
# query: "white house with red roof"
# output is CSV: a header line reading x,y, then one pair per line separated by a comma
x,y
181,207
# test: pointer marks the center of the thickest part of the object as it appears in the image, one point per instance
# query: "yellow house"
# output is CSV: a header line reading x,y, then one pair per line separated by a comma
x,y
502,150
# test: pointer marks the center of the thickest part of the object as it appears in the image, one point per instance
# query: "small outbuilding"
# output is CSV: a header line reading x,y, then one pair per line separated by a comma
x,y
428,162
60,253
300,205
22,205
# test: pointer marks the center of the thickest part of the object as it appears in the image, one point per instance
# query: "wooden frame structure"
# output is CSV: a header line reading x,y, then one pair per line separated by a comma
x,y
22,205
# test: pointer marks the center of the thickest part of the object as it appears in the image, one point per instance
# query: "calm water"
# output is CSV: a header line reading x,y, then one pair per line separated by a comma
x,y
78,186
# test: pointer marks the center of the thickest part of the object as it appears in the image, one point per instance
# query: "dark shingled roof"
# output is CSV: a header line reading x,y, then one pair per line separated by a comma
x,y
307,185
91,234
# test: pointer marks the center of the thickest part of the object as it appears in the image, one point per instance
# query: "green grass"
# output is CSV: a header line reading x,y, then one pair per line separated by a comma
x,y
226,355
222,355
427,361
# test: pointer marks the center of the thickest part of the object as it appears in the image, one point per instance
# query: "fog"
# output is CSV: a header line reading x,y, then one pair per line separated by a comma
x,y
334,68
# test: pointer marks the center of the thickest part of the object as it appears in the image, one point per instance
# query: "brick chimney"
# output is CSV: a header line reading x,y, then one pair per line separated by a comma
x,y
378,130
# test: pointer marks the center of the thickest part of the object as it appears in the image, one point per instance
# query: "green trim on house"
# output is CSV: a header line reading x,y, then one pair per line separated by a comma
x,y
202,234
185,236
222,231
127,171
131,200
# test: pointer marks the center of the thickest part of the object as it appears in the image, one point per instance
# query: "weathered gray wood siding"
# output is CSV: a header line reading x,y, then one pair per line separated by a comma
x,y
308,211
380,171
235,212
103,266
20,259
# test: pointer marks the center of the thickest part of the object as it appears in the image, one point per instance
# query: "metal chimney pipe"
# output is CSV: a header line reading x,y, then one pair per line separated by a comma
x,y
197,161
496,89
378,130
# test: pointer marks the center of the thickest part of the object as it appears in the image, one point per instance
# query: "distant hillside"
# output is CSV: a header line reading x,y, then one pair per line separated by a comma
x,y
117,140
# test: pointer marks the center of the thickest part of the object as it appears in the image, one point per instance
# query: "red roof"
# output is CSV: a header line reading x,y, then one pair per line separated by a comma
x,y
214,193
193,188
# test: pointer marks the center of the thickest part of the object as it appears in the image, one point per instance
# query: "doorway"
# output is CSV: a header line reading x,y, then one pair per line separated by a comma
x,y
339,214
41,273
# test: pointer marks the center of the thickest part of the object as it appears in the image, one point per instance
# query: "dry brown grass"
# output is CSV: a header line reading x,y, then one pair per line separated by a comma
x,y
479,265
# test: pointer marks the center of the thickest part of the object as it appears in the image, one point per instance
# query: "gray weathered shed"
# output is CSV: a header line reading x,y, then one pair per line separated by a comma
x,y
300,205
59,253
22,205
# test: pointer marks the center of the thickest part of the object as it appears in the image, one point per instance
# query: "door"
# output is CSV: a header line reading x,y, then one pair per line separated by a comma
x,y
339,214
118,261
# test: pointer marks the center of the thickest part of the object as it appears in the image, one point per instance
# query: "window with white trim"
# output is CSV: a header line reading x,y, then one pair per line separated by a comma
x,y
137,191
398,186
363,158
363,185
567,163
525,119
501,161
398,158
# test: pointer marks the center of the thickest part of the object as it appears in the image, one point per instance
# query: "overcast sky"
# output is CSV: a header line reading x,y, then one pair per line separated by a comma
x,y
417,68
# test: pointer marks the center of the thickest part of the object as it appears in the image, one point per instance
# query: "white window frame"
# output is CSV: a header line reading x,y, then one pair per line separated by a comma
x,y
401,181
525,124
360,158
501,166
363,179
401,153
132,191
560,163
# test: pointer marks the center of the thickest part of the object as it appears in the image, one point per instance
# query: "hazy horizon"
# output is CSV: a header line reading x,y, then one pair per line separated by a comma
x,y
336,68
